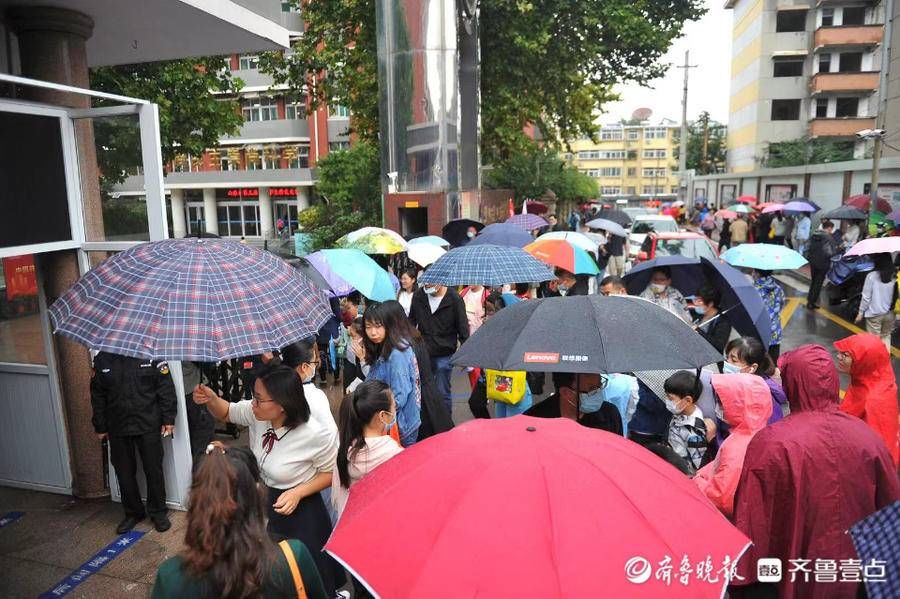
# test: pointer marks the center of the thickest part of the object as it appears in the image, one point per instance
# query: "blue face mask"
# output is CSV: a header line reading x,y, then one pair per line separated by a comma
x,y
388,426
700,310
589,403
729,368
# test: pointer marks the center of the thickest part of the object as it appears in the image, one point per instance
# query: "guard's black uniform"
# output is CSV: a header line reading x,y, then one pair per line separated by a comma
x,y
132,399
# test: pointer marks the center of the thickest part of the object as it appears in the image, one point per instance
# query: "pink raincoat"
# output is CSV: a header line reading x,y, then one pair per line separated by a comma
x,y
747,404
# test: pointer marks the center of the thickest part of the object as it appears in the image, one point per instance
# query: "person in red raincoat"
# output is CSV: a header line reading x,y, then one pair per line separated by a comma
x,y
806,480
872,394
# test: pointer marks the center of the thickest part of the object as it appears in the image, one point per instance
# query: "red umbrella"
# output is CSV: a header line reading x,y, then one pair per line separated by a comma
x,y
862,202
531,507
746,199
535,207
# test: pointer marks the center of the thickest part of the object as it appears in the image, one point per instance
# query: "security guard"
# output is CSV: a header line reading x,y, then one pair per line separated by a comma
x,y
134,406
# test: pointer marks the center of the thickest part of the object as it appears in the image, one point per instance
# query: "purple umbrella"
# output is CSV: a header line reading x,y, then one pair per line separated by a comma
x,y
894,216
203,300
799,207
339,287
529,222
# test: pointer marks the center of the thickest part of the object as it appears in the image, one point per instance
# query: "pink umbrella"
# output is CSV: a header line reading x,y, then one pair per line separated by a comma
x,y
773,208
875,245
746,200
726,214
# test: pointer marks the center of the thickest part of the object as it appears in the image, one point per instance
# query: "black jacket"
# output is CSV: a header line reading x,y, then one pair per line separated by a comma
x,y
607,418
443,329
716,332
131,396
435,418
820,250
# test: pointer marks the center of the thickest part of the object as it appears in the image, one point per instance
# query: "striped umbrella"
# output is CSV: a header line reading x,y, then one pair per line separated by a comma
x,y
562,254
190,299
486,264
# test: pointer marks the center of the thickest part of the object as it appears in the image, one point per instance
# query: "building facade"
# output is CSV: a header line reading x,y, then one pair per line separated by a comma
x,y
254,184
630,161
801,69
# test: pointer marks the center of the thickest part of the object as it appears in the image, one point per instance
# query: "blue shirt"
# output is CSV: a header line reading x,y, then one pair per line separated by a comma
x,y
401,373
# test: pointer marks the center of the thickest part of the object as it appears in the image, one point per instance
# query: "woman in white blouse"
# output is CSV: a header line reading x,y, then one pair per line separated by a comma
x,y
408,287
296,454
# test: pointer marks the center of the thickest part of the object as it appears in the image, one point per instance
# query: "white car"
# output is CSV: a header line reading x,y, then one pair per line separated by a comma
x,y
643,225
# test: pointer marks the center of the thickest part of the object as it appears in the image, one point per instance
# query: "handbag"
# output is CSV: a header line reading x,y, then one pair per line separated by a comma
x,y
295,569
507,386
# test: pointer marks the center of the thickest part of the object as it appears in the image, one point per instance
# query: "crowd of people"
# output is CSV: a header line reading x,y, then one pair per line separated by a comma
x,y
760,426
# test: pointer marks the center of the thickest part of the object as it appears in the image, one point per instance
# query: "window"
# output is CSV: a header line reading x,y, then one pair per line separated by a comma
x,y
631,190
226,163
248,62
790,20
601,154
337,146
589,155
827,17
785,110
259,109
289,6
788,68
567,156
846,107
296,156
825,63
338,111
674,189
612,171
654,172
655,133
286,211
654,154
183,163
632,155
632,171
822,108
850,62
610,191
608,134
196,220
295,108
270,159
854,15
653,190
633,134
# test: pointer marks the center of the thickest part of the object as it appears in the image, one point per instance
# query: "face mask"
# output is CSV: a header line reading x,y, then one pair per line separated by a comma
x,y
563,290
430,290
388,426
657,288
700,310
506,288
672,406
730,368
310,378
589,403
470,234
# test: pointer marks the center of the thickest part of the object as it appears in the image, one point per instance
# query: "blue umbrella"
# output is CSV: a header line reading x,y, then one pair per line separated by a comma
x,y
741,303
490,265
431,239
356,269
503,234
763,256
877,537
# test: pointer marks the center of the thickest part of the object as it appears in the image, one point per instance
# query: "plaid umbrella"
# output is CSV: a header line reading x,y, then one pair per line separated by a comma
x,y
529,222
190,299
877,541
490,265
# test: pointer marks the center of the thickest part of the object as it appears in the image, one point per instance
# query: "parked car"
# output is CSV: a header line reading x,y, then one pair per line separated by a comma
x,y
645,224
637,211
686,243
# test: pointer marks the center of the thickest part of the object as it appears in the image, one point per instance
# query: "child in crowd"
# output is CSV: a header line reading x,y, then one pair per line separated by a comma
x,y
687,430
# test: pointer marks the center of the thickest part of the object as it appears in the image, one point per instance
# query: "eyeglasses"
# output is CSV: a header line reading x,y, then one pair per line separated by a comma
x,y
313,362
257,401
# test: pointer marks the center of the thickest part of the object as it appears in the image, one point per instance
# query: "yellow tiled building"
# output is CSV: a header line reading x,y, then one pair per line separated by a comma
x,y
630,161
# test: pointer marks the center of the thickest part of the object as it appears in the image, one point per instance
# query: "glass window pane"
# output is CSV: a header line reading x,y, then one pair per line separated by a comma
x,y
21,332
251,221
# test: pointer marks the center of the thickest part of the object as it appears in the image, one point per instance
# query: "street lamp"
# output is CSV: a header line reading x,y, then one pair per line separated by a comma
x,y
878,136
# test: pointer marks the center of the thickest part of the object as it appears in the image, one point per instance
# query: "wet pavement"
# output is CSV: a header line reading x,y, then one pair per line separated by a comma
x,y
57,534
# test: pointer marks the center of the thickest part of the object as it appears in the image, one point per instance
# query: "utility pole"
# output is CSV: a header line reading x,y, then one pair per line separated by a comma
x,y
704,170
879,132
682,157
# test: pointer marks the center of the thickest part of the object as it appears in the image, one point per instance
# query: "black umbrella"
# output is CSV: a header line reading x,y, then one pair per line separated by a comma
x,y
455,231
585,334
846,212
616,216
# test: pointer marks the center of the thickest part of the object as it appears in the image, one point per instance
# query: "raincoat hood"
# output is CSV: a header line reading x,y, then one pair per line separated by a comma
x,y
870,357
810,379
746,400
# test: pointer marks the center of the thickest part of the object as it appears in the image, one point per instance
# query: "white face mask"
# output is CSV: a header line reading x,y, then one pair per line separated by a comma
x,y
563,290
430,290
672,406
658,287
506,288
470,234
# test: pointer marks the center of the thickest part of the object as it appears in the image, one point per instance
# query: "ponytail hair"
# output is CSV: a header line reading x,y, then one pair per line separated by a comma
x,y
751,351
226,544
356,412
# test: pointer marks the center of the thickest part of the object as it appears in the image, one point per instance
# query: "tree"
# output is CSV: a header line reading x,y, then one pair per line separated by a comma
x,y
533,171
707,145
797,152
349,185
551,63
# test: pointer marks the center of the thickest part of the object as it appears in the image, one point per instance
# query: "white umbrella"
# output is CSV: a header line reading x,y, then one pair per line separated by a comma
x,y
579,240
424,254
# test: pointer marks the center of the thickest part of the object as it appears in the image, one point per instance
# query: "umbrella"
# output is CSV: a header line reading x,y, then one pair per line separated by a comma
x,y
587,334
483,264
528,222
746,200
503,234
726,214
678,204
535,207
584,511
424,254
373,240
562,254
875,245
846,212
190,299
345,267
765,205
877,537
455,231
615,215
741,208
683,279
577,239
775,207
863,201
430,239
304,266
800,206
611,227
763,256
894,216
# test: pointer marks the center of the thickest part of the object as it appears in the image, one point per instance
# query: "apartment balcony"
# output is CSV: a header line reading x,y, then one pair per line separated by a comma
x,y
840,127
865,82
849,35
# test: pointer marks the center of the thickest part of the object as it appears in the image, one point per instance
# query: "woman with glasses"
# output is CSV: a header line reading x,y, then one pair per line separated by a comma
x,y
296,454
305,358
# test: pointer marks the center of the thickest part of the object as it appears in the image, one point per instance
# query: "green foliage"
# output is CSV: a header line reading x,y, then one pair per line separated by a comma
x,y
713,161
349,185
124,219
191,118
797,152
535,170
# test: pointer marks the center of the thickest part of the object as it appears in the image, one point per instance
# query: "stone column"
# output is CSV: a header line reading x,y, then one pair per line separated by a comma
x,y
209,211
302,198
52,48
266,219
179,226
